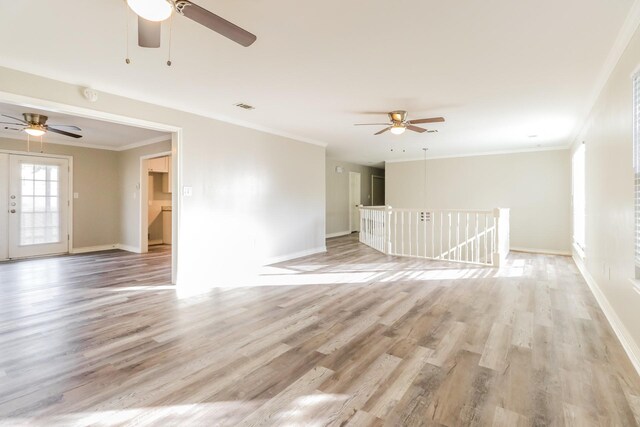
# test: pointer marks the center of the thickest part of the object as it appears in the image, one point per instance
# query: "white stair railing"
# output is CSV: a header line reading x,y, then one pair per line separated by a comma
x,y
469,236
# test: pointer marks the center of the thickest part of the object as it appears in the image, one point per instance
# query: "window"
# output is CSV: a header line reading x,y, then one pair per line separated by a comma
x,y
578,197
636,164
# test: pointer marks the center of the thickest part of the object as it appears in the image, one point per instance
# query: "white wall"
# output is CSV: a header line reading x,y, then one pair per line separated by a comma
x,y
536,186
256,196
337,188
609,251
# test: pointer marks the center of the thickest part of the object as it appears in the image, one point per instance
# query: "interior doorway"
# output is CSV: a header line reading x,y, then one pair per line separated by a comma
x,y
377,190
156,200
354,201
96,126
36,205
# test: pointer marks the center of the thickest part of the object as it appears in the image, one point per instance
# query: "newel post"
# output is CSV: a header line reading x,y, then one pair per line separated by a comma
x,y
501,239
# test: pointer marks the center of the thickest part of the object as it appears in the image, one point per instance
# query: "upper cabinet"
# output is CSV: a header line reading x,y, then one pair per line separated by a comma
x,y
159,164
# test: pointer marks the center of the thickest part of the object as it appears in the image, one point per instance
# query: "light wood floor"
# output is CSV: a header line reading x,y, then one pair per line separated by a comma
x,y
351,337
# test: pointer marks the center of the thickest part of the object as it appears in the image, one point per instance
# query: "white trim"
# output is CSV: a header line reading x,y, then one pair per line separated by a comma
x,y
282,258
623,39
338,234
98,248
629,345
149,141
541,251
72,143
41,104
487,153
128,248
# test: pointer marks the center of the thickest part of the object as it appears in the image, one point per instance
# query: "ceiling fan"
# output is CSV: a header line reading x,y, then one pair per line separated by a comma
x,y
36,125
151,13
399,123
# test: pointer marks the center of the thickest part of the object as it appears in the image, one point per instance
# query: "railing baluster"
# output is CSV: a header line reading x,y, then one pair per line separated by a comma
x,y
486,226
457,253
432,218
466,238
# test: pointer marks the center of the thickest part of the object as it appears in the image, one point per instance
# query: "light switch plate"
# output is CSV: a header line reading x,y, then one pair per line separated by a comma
x,y
76,195
187,191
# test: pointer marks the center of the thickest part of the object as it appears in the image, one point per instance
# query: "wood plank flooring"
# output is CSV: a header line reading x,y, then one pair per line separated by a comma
x,y
347,338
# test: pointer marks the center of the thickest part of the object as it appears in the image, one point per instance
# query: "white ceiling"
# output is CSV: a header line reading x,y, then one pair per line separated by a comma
x,y
498,70
95,133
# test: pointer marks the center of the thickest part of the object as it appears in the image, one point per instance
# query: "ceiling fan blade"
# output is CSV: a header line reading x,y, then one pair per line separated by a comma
x,y
66,126
15,118
65,133
149,33
429,120
383,130
215,22
12,124
416,128
371,124
8,128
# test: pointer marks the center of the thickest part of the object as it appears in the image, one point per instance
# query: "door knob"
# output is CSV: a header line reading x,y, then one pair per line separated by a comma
x,y
13,211
13,196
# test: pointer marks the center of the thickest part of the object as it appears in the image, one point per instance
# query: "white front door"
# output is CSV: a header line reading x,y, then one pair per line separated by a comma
x,y
4,206
38,206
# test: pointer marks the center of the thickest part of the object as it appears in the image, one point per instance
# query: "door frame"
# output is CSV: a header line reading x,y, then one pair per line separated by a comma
x,y
352,206
144,200
69,189
176,149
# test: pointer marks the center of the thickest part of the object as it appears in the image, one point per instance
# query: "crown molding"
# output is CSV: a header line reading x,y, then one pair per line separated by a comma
x,y
480,154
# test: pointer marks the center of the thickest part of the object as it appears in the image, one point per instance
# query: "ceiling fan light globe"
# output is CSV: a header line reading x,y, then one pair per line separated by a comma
x,y
34,131
151,10
398,130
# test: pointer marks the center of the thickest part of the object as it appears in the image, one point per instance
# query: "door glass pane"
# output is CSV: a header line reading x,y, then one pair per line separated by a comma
x,y
40,204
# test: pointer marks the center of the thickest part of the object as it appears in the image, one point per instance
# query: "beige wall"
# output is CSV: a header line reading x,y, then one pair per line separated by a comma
x,y
609,172
256,196
95,179
535,186
337,188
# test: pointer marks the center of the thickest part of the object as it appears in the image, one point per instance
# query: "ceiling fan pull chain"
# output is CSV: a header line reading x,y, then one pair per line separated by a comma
x,y
126,19
170,36
41,145
28,143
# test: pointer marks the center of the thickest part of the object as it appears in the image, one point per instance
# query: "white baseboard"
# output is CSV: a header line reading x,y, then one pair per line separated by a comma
x,y
541,251
275,260
129,248
629,345
338,234
155,242
98,248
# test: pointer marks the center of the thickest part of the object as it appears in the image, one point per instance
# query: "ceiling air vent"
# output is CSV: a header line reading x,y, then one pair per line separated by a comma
x,y
245,106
